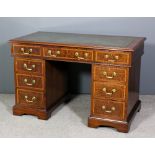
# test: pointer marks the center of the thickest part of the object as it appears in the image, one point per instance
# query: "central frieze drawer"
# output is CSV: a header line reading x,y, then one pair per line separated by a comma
x,y
110,73
29,66
68,53
30,98
26,81
107,90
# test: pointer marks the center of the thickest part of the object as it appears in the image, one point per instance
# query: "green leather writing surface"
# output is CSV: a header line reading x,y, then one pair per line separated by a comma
x,y
79,39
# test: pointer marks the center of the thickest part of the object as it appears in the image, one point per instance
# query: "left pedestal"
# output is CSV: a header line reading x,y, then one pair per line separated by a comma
x,y
40,84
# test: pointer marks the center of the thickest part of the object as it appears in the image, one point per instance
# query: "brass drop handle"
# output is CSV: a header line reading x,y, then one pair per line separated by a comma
x,y
112,58
116,57
26,52
109,77
30,101
29,69
108,111
109,93
81,58
29,84
53,55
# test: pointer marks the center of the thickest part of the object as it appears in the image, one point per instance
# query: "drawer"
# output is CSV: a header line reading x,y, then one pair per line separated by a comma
x,y
108,109
27,81
107,90
30,98
29,66
113,57
68,53
27,50
54,52
80,54
109,73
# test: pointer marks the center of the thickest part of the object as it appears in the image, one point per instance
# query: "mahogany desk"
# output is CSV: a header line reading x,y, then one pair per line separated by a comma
x,y
41,74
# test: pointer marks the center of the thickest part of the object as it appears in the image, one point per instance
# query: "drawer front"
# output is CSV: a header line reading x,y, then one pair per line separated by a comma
x,y
107,90
68,53
108,109
26,81
108,73
113,57
54,52
27,50
30,98
29,66
80,54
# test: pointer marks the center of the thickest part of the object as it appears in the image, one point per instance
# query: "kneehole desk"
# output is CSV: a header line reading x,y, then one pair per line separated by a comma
x,y
41,77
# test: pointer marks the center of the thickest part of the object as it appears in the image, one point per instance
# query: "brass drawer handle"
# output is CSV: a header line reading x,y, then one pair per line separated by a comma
x,y
111,58
30,101
53,55
81,58
108,111
26,52
29,84
29,69
109,77
109,93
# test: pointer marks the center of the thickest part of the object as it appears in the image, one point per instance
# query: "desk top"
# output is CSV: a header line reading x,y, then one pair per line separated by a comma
x,y
81,40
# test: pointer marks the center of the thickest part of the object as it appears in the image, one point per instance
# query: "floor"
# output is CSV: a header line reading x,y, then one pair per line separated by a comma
x,y
70,120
